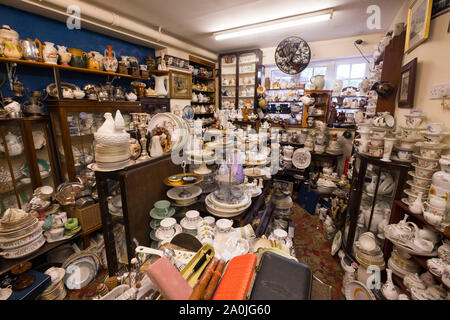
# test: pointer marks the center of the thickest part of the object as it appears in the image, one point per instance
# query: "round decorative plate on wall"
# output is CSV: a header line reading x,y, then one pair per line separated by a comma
x,y
292,55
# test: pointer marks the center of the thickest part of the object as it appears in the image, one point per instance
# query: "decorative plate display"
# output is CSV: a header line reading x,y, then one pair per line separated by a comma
x,y
175,126
301,158
292,55
356,290
22,241
190,193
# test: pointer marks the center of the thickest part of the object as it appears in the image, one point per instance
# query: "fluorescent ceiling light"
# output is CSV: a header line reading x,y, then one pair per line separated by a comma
x,y
276,24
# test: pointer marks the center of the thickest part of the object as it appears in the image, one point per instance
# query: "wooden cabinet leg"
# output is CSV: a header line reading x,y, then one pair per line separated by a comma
x,y
86,241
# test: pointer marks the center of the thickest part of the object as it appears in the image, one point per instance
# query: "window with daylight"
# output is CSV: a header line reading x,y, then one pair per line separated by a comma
x,y
351,74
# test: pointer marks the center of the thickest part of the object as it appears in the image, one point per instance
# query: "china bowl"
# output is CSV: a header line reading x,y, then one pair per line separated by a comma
x,y
434,219
413,120
416,189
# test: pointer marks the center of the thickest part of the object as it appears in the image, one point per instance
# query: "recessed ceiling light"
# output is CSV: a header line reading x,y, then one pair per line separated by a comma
x,y
276,24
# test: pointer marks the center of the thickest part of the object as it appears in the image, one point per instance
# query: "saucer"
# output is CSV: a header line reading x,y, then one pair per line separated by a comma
x,y
154,224
155,215
188,226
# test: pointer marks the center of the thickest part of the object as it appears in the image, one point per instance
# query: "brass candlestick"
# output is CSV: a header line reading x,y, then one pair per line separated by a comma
x,y
142,127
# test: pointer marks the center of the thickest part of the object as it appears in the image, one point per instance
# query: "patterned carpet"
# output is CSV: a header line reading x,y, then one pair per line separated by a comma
x,y
312,249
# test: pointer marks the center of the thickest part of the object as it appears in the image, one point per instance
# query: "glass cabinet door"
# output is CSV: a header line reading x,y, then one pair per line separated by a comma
x,y
228,81
13,167
81,127
247,77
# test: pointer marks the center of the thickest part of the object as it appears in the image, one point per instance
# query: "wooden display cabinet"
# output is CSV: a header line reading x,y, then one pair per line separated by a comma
x,y
322,100
240,74
27,165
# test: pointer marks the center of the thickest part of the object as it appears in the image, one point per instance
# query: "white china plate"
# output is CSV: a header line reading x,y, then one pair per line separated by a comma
x,y
22,241
94,167
223,214
337,241
220,205
24,250
301,158
79,274
356,290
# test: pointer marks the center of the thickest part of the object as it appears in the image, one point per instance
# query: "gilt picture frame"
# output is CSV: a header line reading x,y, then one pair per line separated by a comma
x,y
407,85
418,25
180,85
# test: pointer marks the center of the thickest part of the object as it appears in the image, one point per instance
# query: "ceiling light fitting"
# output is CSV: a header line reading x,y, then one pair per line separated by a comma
x,y
276,24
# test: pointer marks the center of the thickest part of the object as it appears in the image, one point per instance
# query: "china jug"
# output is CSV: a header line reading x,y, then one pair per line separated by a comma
x,y
318,81
160,87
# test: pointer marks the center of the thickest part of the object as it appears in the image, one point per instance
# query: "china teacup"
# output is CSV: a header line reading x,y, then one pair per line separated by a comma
x,y
210,220
56,233
280,235
224,225
167,226
434,127
162,207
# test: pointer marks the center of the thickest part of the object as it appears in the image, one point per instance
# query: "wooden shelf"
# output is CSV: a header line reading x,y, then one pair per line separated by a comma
x,y
8,264
203,91
210,102
202,77
285,89
76,69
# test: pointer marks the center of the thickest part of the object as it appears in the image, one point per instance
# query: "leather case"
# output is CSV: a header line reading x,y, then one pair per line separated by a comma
x,y
281,278
237,278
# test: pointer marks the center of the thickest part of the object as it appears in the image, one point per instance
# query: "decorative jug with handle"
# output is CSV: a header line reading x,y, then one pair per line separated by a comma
x,y
79,58
110,61
160,87
30,50
318,81
50,54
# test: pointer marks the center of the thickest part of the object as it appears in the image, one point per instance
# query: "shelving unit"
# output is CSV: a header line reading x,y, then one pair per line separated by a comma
x,y
399,209
209,82
322,100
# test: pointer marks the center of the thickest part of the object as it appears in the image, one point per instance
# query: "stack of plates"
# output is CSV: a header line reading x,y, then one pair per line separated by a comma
x,y
175,126
367,259
21,237
225,210
56,290
81,268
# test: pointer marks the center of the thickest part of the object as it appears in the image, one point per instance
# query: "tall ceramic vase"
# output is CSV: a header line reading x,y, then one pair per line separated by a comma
x,y
388,144
388,289
160,87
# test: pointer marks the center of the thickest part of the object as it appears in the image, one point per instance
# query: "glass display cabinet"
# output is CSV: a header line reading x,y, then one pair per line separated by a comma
x,y
26,159
74,124
374,187
240,74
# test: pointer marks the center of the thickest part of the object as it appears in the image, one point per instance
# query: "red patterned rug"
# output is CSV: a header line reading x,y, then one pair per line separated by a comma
x,y
312,249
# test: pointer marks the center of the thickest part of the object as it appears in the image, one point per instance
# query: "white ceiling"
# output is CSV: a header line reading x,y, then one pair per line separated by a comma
x,y
195,20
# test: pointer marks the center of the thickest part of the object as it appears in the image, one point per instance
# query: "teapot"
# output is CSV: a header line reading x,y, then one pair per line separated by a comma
x,y
417,206
97,56
130,96
9,38
30,50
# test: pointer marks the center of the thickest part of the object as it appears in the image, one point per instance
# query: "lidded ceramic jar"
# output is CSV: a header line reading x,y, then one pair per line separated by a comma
x,y
9,42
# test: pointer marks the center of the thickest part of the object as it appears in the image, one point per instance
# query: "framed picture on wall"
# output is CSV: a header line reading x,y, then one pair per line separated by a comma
x,y
180,85
418,27
407,85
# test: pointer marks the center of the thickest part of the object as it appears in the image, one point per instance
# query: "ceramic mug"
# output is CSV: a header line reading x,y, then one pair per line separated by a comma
x,y
162,207
192,216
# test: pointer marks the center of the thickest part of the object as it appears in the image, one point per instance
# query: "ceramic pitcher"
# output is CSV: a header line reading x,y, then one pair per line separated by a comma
x,y
318,81
109,61
160,87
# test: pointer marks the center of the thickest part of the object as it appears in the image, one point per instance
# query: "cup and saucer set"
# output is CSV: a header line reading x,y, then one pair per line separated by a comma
x,y
161,210
168,228
59,228
190,222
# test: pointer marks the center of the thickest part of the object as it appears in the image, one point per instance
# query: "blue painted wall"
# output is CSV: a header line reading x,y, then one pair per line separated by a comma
x,y
33,26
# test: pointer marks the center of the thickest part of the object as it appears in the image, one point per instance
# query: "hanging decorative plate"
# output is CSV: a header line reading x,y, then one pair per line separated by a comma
x,y
188,112
356,290
292,55
301,158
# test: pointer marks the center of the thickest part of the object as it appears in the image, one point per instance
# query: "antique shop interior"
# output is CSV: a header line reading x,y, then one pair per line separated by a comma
x,y
212,150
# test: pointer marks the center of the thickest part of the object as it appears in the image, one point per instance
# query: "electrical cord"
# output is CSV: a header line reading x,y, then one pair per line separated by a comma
x,y
356,46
